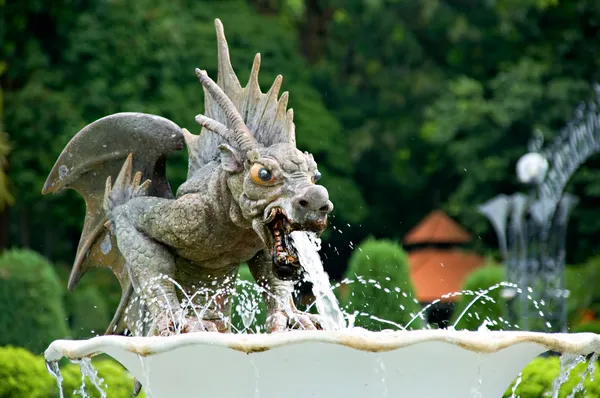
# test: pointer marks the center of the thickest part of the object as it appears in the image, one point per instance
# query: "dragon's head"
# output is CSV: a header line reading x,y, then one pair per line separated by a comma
x,y
277,191
273,182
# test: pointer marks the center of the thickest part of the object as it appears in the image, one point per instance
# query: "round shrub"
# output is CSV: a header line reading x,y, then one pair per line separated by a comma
x,y
380,287
91,305
489,307
24,375
249,312
538,377
31,307
87,312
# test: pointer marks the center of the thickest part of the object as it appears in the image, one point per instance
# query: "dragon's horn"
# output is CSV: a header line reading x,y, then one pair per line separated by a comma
x,y
218,128
242,135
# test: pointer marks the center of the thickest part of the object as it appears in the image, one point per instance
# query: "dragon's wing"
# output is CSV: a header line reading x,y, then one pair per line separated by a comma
x,y
99,151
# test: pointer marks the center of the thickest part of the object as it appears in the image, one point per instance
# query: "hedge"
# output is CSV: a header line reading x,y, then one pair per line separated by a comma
x,y
381,287
24,375
31,307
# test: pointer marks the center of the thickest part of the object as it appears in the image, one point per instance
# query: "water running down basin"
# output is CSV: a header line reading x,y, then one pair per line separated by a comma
x,y
348,363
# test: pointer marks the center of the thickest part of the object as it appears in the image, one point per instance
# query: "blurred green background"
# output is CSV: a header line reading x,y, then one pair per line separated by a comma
x,y
407,106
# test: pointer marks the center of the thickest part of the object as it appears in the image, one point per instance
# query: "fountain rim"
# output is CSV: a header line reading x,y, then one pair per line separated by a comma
x,y
356,338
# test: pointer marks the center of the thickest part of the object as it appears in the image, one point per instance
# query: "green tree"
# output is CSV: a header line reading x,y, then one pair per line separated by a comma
x,y
6,197
439,100
381,289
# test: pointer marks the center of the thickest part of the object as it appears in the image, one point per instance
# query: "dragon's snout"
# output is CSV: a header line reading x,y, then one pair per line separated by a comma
x,y
307,211
314,200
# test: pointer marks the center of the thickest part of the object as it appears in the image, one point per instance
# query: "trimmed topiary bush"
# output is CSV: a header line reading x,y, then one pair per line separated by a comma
x,y
87,312
484,308
249,311
31,307
381,287
538,377
92,304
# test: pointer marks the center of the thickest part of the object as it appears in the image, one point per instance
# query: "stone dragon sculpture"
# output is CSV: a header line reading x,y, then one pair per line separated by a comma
x,y
248,187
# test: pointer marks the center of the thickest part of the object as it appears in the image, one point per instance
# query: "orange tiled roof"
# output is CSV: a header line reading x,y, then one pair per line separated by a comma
x,y
437,227
436,272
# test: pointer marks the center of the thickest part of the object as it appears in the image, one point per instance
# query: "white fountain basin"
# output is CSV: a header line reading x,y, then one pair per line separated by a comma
x,y
349,363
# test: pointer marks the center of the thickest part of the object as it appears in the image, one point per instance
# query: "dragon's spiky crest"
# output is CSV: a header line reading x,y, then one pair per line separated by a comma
x,y
266,119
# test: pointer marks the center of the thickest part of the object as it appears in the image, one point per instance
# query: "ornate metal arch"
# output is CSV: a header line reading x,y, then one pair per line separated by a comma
x,y
531,229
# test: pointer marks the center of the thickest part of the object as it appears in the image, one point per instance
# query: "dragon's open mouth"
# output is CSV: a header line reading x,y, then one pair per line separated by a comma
x,y
285,258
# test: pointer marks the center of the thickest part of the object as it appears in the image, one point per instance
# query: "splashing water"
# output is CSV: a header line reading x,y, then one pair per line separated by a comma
x,y
308,245
516,385
589,371
567,364
146,371
88,370
476,391
256,378
54,370
381,370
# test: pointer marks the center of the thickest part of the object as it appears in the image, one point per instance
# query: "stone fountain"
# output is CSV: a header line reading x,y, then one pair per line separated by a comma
x,y
250,197
346,363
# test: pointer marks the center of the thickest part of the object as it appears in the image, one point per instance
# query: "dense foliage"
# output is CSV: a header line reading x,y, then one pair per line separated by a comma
x,y
24,375
379,285
31,306
6,197
440,99
429,116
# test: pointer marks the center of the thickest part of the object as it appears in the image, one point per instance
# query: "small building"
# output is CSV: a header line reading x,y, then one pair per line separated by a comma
x,y
439,262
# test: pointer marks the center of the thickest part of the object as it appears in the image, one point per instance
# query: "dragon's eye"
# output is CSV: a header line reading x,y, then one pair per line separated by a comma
x,y
316,177
260,174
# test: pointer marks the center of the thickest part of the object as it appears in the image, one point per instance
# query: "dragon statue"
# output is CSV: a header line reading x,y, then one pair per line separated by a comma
x,y
248,187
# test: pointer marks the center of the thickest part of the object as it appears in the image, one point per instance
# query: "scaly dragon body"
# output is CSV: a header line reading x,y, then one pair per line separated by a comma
x,y
177,256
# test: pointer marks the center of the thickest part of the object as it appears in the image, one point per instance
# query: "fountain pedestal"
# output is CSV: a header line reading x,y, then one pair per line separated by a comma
x,y
349,363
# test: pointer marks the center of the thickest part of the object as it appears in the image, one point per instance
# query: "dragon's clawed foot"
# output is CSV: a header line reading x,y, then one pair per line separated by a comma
x,y
281,320
167,326
125,188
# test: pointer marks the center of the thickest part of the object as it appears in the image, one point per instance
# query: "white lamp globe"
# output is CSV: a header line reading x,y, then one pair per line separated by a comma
x,y
532,168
